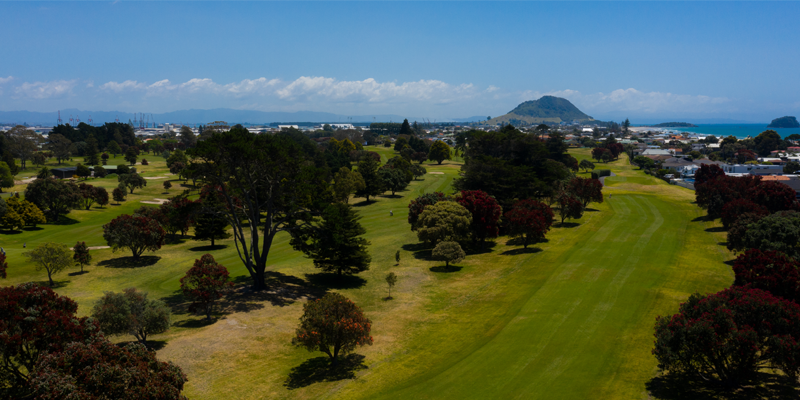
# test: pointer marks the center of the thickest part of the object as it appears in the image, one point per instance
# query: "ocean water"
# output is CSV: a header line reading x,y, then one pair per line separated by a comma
x,y
740,131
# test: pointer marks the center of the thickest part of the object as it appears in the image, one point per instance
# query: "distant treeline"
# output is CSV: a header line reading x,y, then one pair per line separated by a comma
x,y
116,131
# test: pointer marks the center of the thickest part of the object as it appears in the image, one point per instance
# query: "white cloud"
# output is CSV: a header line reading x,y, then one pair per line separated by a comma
x,y
372,91
6,80
124,86
44,90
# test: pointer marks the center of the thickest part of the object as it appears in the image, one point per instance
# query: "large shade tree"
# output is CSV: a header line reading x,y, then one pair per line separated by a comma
x,y
269,183
530,220
53,196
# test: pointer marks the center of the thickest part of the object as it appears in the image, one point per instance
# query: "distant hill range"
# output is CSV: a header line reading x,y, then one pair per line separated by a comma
x,y
194,116
784,122
674,125
548,109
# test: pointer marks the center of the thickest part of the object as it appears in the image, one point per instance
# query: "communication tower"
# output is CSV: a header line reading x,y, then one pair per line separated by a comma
x,y
59,117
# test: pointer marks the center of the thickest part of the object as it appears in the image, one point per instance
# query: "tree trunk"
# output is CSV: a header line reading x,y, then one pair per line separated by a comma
x,y
50,277
259,280
212,241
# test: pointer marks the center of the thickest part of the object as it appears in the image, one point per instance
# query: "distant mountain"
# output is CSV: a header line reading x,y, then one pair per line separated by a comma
x,y
192,116
784,122
548,109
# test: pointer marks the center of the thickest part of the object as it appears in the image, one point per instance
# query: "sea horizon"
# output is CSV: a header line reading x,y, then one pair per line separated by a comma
x,y
740,131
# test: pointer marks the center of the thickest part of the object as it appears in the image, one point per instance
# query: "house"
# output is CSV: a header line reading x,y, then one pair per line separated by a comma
x,y
676,164
656,152
64,173
752,169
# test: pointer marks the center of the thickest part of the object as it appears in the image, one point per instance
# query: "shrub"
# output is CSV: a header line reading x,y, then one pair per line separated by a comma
x,y
735,208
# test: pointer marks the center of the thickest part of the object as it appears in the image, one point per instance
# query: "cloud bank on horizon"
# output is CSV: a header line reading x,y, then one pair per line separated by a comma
x,y
367,96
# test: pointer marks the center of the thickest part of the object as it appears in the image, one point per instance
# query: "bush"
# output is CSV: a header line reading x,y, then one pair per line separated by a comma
x,y
449,252
144,162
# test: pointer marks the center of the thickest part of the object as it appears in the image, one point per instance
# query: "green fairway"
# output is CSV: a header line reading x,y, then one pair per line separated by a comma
x,y
571,318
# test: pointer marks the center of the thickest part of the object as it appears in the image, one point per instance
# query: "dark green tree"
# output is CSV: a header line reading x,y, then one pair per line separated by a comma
x,y
405,129
81,254
335,243
393,179
210,222
373,184
113,148
439,152
132,181
53,196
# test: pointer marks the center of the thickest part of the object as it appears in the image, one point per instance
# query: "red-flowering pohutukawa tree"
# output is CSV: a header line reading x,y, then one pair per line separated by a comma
x,y
775,196
100,369
597,153
35,321
205,283
333,325
3,266
135,233
485,210
707,173
729,336
569,207
530,220
769,270
615,148
737,207
714,194
586,190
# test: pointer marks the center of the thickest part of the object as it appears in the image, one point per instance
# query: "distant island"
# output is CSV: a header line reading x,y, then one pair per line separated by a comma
x,y
675,125
784,122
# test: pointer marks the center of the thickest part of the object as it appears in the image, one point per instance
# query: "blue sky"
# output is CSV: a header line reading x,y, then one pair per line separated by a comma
x,y
647,60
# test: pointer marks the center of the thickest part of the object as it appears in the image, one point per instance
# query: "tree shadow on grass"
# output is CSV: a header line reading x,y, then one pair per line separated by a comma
x,y
514,252
64,220
32,228
591,210
319,369
446,269
77,273
669,387
364,203
391,196
568,225
716,229
10,232
723,244
209,247
334,281
479,248
151,344
703,218
130,262
56,284
420,251
195,323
